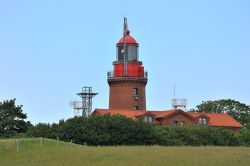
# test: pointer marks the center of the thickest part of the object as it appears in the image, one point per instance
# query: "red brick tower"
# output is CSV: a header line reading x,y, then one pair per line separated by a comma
x,y
128,80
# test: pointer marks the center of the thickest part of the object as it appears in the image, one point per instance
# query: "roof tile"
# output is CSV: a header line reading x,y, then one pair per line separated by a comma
x,y
218,119
215,119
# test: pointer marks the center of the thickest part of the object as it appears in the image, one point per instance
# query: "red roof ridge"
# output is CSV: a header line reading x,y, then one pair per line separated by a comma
x,y
218,119
128,113
215,119
168,113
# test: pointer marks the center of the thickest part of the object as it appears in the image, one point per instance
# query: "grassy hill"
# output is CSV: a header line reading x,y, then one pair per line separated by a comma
x,y
50,152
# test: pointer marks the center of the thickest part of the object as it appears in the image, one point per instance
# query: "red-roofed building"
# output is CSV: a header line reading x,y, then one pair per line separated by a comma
x,y
128,113
127,95
176,117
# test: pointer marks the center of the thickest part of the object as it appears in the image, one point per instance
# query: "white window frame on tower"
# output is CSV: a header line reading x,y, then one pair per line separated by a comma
x,y
135,92
136,108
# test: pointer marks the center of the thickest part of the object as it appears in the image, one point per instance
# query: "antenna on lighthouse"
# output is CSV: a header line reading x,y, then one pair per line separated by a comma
x,y
125,26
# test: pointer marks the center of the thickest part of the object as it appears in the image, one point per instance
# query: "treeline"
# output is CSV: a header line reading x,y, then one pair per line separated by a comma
x,y
119,130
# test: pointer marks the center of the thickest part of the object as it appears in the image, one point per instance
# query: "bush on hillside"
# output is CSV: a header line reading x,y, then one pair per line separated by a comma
x,y
98,130
43,130
243,137
120,130
107,130
194,135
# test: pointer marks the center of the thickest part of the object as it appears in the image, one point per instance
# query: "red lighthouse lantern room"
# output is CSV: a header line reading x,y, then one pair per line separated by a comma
x,y
128,80
127,64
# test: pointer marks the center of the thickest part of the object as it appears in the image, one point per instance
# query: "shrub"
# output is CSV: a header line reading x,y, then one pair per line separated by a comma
x,y
243,137
120,130
194,135
43,130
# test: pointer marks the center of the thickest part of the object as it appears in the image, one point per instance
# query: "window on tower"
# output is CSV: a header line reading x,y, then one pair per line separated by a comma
x,y
131,53
136,107
120,53
135,92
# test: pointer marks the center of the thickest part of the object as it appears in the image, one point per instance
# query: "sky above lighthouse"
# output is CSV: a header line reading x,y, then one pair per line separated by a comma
x,y
50,49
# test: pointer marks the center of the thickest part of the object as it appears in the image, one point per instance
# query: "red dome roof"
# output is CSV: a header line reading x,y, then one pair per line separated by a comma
x,y
129,39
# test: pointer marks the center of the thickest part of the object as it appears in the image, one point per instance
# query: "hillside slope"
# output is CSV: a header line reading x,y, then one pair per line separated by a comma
x,y
43,152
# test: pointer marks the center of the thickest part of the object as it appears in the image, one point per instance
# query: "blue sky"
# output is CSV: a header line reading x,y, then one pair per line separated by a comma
x,y
50,49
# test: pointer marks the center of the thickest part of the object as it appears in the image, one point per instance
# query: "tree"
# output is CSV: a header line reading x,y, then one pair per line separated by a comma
x,y
98,130
12,119
107,130
243,137
41,130
237,110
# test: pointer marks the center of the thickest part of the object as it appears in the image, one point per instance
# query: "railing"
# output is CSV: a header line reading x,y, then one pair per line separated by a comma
x,y
111,74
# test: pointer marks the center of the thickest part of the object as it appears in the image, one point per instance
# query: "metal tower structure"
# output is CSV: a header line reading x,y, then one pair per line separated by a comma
x,y
84,107
86,96
77,106
179,103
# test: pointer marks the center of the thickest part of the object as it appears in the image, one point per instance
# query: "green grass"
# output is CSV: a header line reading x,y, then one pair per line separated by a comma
x,y
54,153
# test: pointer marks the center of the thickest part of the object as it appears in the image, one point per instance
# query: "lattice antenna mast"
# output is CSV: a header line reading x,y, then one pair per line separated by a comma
x,y
125,26
86,96
174,91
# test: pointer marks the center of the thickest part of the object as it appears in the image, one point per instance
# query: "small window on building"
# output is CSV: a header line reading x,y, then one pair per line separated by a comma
x,y
136,107
175,123
181,123
203,121
135,92
148,119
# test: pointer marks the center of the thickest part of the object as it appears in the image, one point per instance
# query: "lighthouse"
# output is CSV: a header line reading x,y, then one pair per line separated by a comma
x,y
127,97
128,79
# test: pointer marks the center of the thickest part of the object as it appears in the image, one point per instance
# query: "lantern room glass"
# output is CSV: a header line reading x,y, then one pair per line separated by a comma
x,y
131,53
